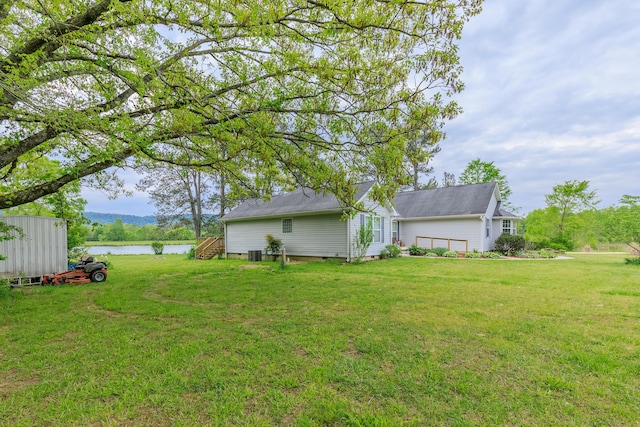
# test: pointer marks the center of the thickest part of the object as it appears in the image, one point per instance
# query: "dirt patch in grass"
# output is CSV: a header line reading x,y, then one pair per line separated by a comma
x,y
12,381
253,267
93,307
87,304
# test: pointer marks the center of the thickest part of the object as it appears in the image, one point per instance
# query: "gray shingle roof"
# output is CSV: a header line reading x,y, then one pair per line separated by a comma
x,y
458,200
300,201
499,212
446,201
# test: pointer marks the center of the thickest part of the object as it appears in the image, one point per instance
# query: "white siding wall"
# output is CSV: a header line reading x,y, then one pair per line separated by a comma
x,y
314,235
497,229
43,250
489,241
386,215
470,229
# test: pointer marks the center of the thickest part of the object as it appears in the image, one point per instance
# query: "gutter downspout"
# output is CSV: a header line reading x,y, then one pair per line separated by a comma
x,y
349,239
226,246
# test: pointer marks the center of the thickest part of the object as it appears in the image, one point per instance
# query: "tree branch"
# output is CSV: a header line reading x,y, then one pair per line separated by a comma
x,y
54,32
10,154
5,6
88,167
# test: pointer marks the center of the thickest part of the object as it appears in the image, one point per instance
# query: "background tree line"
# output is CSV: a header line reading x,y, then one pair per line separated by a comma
x,y
572,221
121,232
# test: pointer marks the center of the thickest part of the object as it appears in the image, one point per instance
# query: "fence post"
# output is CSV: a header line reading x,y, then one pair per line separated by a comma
x,y
284,256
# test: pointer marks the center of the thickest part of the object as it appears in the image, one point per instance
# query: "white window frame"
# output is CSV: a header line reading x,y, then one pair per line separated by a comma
x,y
395,231
289,229
507,226
377,228
369,221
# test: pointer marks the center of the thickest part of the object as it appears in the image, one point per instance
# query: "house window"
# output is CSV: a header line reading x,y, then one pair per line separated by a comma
x,y
395,232
376,225
287,225
506,226
377,230
487,225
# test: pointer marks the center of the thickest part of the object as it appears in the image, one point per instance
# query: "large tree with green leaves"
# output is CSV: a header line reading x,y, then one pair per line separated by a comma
x,y
621,224
478,172
259,91
181,195
419,151
448,179
569,198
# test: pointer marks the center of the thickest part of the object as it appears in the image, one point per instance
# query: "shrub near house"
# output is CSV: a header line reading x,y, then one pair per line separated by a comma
x,y
390,251
509,244
273,245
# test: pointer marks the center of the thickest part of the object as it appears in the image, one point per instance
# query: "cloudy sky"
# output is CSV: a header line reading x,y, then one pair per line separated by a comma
x,y
552,94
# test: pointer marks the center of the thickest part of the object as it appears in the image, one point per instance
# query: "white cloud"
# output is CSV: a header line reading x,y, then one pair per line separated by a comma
x,y
552,94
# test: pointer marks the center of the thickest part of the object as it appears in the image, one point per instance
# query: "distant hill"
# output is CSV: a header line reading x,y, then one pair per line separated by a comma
x,y
109,218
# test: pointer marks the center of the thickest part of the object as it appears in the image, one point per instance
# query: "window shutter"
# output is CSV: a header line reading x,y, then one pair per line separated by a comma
x,y
382,230
362,223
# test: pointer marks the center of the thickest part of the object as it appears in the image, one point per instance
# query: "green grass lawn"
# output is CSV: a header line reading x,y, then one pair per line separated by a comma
x,y
166,341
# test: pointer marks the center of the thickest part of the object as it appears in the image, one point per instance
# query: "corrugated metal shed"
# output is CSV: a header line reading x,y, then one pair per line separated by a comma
x,y
42,250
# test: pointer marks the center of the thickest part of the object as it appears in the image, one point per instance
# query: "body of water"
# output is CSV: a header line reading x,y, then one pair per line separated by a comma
x,y
137,250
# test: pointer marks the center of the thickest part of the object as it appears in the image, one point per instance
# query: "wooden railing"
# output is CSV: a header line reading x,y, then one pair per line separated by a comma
x,y
466,242
210,247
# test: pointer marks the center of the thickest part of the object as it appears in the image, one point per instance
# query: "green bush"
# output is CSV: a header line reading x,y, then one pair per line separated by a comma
x,y
192,253
439,251
431,255
273,245
474,254
394,251
157,248
417,250
557,247
562,243
450,254
5,290
361,242
632,261
509,244
541,244
390,251
491,255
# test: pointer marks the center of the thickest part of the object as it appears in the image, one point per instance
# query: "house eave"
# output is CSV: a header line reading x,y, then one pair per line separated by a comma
x,y
508,217
427,218
283,215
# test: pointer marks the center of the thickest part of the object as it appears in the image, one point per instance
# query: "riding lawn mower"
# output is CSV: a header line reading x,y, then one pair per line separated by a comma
x,y
84,272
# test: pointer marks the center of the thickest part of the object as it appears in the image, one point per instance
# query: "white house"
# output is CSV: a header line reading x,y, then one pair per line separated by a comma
x,y
463,217
310,225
